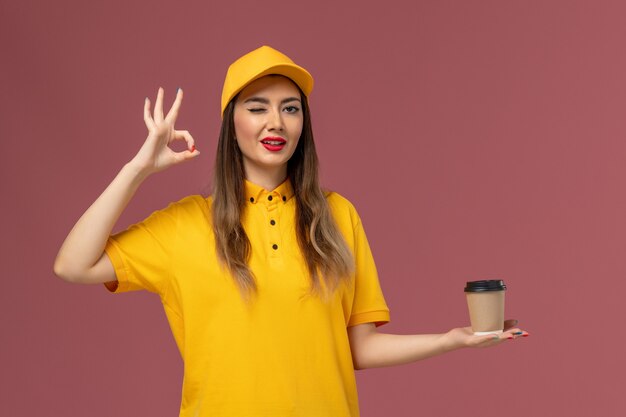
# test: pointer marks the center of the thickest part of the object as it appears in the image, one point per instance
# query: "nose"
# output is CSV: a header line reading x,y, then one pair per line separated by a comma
x,y
275,121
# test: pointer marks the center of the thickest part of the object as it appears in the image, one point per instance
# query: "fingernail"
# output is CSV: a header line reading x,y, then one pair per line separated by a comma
x,y
526,335
178,89
193,148
518,333
510,337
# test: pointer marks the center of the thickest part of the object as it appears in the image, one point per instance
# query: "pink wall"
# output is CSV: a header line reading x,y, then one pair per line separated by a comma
x,y
477,139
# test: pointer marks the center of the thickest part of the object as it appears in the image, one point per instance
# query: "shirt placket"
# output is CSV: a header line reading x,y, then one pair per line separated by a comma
x,y
273,217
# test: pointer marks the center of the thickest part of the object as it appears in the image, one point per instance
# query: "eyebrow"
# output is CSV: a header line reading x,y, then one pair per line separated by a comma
x,y
266,101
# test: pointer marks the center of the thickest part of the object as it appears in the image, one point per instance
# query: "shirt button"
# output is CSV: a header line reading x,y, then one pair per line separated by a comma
x,y
274,246
252,199
269,198
284,198
272,222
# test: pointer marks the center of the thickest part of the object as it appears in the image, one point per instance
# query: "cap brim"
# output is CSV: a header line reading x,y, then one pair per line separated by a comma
x,y
297,74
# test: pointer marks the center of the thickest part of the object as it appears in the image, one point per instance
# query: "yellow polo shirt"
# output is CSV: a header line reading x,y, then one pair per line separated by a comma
x,y
287,354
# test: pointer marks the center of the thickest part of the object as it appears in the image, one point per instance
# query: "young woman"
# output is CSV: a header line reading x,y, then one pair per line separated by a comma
x,y
269,285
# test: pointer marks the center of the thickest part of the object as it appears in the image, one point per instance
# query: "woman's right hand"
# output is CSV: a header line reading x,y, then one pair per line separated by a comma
x,y
82,257
155,154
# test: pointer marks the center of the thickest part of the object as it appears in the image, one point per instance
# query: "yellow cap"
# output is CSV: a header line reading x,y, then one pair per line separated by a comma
x,y
258,63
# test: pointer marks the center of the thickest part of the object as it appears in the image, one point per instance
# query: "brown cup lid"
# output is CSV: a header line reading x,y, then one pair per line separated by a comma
x,y
485,285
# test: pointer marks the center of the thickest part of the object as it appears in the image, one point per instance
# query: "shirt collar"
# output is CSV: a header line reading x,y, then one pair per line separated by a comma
x,y
255,193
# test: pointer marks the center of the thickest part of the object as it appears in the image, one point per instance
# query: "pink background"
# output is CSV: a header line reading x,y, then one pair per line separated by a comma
x,y
477,139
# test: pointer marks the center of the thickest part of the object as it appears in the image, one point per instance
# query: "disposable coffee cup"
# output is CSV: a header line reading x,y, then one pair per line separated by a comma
x,y
485,301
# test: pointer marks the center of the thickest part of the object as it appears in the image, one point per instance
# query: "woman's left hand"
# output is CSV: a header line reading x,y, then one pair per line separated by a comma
x,y
464,336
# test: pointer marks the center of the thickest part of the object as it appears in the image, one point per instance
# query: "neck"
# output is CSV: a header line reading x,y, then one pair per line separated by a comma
x,y
268,178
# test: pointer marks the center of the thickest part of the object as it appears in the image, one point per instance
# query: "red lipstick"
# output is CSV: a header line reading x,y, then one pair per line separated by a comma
x,y
273,143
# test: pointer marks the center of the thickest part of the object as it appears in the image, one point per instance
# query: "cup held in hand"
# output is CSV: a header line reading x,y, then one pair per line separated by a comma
x,y
485,301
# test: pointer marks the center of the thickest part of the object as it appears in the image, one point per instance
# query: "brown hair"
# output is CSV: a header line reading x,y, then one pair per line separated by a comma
x,y
325,251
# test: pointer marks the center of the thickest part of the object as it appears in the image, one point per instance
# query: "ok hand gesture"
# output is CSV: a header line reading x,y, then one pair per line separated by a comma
x,y
155,154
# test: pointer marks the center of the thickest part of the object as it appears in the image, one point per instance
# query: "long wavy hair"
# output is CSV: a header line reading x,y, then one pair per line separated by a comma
x,y
324,249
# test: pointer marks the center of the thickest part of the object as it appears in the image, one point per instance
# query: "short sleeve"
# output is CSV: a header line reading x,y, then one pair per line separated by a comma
x,y
363,302
369,303
142,254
